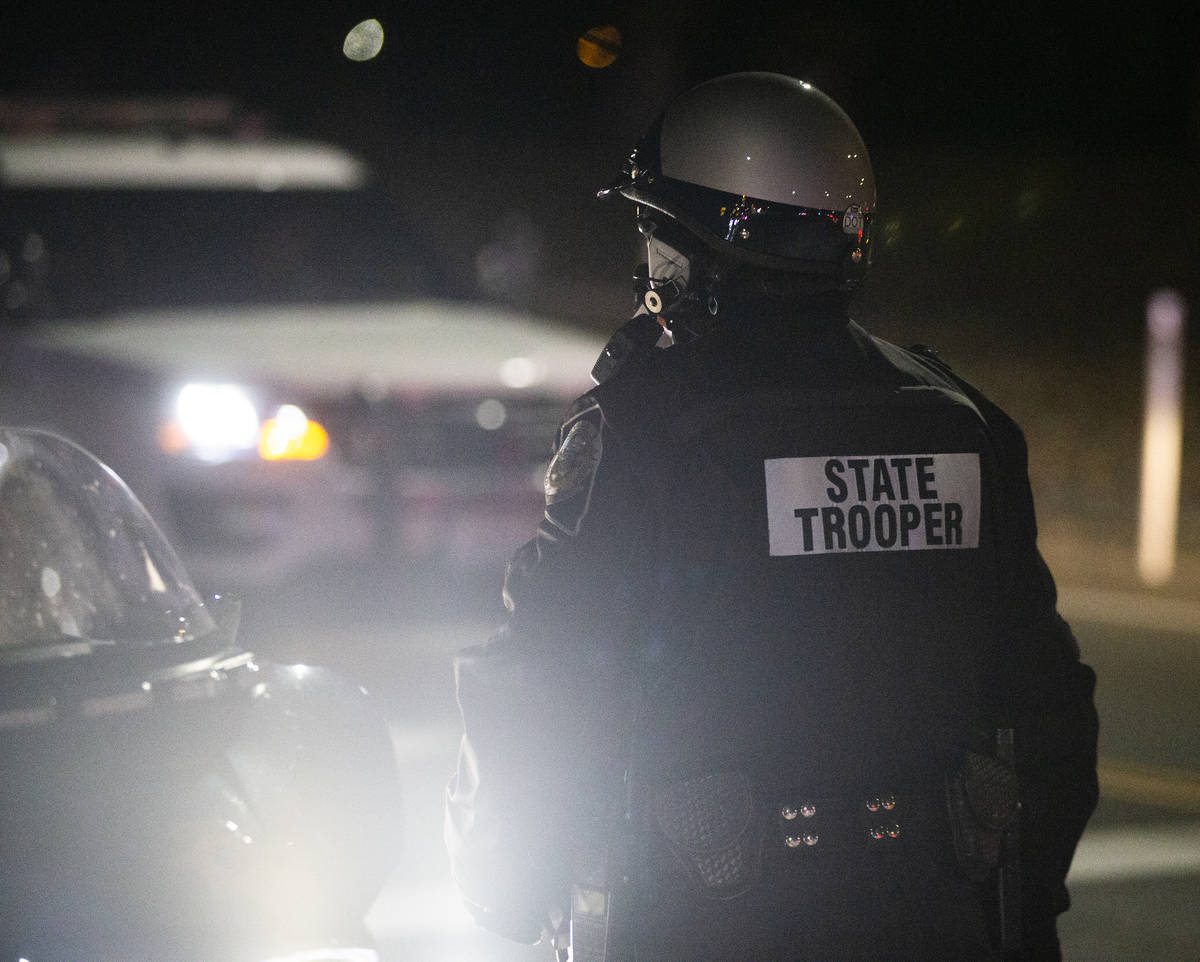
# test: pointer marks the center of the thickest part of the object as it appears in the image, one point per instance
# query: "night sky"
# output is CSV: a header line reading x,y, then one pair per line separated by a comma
x,y
480,112
903,70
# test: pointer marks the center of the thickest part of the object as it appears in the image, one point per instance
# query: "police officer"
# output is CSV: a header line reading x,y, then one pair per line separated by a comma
x,y
784,627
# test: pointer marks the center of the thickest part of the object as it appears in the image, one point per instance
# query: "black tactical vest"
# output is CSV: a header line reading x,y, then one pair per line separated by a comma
x,y
826,562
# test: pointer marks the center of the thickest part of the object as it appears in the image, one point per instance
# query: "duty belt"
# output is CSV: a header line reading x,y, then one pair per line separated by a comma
x,y
722,830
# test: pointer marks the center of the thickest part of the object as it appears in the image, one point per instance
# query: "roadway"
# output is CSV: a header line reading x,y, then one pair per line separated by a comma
x,y
1136,878
1135,881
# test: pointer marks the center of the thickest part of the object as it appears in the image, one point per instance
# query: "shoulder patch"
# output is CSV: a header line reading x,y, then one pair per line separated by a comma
x,y
572,471
575,462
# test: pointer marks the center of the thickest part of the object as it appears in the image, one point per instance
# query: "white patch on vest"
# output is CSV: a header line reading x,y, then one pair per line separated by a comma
x,y
883,502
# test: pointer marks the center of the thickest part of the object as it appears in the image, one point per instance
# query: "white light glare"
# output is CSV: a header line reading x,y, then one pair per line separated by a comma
x,y
218,420
291,419
51,582
340,953
518,372
288,428
364,41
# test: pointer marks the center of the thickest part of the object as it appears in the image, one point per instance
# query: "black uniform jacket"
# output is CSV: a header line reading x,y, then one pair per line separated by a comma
x,y
786,549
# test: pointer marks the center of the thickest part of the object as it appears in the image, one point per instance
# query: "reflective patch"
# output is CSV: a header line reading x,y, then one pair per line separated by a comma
x,y
886,502
570,472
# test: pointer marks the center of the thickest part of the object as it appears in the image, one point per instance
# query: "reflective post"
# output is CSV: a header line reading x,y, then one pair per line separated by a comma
x,y
1162,437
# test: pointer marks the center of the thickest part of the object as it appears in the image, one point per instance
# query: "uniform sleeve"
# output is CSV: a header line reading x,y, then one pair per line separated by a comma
x,y
1045,691
543,701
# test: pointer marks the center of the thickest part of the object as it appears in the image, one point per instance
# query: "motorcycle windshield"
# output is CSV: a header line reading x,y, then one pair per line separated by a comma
x,y
82,564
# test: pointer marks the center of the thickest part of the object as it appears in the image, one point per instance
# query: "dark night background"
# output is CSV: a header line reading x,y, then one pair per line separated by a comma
x,y
1036,162
480,117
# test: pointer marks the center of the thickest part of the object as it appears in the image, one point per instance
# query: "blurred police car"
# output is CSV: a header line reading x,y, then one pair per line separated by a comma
x,y
245,328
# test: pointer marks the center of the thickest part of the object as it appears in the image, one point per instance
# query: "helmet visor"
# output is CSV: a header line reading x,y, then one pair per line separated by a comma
x,y
806,237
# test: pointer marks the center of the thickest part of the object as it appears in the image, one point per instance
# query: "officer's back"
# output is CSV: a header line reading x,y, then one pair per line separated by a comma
x,y
828,595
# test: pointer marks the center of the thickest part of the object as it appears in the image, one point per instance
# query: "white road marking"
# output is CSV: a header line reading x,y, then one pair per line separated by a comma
x,y
1129,609
1142,851
1173,789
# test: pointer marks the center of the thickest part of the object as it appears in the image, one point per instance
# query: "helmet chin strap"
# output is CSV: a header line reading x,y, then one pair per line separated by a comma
x,y
669,293
668,269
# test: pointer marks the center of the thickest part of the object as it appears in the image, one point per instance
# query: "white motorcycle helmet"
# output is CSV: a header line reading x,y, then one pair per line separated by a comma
x,y
764,170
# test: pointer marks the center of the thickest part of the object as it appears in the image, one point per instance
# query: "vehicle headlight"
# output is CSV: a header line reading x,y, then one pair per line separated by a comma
x,y
217,422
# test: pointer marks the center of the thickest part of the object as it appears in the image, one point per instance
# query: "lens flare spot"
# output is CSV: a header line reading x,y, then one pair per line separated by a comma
x,y
491,414
364,41
599,47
